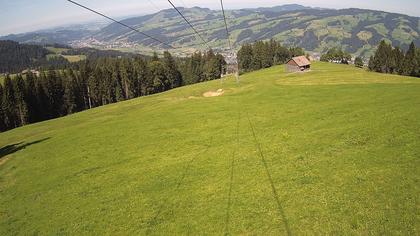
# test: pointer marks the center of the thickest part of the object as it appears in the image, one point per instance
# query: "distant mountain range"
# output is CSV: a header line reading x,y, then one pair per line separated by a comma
x,y
58,35
356,30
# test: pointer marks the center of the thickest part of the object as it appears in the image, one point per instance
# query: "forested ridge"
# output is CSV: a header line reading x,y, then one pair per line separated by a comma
x,y
93,83
15,57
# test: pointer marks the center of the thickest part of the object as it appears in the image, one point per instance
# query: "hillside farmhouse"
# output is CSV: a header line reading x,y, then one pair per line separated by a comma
x,y
300,63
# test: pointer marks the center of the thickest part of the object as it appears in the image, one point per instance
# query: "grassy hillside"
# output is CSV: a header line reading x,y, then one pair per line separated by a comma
x,y
332,151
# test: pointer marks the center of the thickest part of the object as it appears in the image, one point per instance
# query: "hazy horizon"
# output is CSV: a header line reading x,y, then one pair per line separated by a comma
x,y
56,13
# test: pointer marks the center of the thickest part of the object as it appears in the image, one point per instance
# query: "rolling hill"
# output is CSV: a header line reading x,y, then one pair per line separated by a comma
x,y
356,30
331,151
60,35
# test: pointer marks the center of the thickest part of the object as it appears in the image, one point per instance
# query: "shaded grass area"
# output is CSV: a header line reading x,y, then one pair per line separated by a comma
x,y
12,148
332,151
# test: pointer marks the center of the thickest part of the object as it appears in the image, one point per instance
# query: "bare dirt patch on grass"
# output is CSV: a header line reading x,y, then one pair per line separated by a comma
x,y
217,93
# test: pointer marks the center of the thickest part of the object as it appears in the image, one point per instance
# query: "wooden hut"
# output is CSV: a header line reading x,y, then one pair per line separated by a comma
x,y
300,63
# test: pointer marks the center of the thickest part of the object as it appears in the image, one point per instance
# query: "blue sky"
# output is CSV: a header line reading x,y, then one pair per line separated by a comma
x,y
18,16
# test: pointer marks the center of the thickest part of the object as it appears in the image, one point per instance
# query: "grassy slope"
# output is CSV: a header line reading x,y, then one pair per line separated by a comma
x,y
333,150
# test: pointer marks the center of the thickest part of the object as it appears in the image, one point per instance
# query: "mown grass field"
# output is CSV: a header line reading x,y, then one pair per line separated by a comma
x,y
332,151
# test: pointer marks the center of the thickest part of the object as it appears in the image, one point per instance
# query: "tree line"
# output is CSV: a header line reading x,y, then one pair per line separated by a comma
x,y
394,60
93,83
262,54
338,55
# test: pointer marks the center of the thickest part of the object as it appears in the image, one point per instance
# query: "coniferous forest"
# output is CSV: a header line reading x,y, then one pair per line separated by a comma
x,y
394,60
262,54
92,83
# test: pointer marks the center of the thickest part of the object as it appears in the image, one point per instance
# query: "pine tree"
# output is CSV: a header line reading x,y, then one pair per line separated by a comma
x,y
125,75
410,61
20,101
174,77
106,85
94,83
397,61
358,62
197,63
119,91
116,80
42,100
221,63
54,90
69,97
141,74
78,90
213,66
259,52
85,71
296,51
157,71
382,60
31,98
273,46
267,56
282,54
245,57
418,62
155,57
371,64
9,104
2,125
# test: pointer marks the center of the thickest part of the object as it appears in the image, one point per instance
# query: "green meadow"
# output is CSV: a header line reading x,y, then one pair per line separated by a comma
x,y
334,151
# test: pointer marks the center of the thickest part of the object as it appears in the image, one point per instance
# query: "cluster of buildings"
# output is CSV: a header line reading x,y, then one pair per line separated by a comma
x,y
93,42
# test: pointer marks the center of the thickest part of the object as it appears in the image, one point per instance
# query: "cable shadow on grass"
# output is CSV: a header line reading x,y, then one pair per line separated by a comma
x,y
154,220
232,167
270,179
12,148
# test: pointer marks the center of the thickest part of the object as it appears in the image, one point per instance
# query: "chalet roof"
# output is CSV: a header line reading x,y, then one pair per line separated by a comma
x,y
301,61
